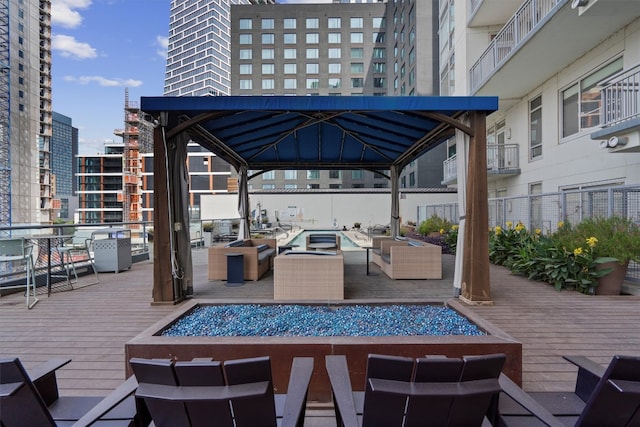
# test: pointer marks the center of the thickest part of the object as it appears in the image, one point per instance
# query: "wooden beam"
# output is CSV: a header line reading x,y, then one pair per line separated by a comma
x,y
162,278
475,274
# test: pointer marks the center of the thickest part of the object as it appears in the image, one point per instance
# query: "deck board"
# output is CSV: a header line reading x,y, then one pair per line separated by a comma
x,y
90,325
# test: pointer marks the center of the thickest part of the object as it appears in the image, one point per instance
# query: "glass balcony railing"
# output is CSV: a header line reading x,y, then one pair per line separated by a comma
x,y
500,158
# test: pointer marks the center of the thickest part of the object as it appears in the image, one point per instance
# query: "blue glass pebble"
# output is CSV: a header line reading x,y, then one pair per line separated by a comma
x,y
318,320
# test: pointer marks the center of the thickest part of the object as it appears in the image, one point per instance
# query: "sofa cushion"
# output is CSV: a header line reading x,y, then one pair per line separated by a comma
x,y
265,254
386,258
262,247
412,243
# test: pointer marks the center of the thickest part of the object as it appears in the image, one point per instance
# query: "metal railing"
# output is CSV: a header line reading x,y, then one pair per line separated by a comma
x,y
621,98
545,211
500,157
522,23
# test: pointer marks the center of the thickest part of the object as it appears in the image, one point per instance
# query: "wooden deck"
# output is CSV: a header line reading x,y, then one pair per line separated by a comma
x,y
90,325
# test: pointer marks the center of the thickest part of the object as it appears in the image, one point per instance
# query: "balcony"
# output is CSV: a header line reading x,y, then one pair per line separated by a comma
x,y
483,13
502,161
549,34
620,113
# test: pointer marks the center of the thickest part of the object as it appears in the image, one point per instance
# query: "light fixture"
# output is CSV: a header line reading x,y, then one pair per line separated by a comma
x,y
579,3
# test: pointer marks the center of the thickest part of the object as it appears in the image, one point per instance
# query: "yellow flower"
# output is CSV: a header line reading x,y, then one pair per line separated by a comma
x,y
591,241
538,231
520,227
454,227
577,251
498,229
442,231
560,224
509,224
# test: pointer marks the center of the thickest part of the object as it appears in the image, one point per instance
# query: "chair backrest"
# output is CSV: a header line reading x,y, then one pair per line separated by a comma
x,y
615,401
13,248
20,402
80,238
445,391
254,408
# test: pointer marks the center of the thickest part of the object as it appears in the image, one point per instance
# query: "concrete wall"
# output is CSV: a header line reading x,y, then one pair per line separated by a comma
x,y
312,210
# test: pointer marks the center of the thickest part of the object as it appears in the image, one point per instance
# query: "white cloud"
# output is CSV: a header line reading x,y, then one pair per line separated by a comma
x,y
162,44
69,47
64,13
103,81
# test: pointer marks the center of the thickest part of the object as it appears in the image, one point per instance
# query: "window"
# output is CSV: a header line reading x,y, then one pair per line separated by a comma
x,y
313,186
356,22
333,23
581,102
335,38
535,128
335,83
335,186
290,68
245,39
290,54
313,83
290,83
312,23
334,174
268,186
412,179
246,84
357,38
357,53
268,68
334,52
313,174
313,53
245,23
335,68
290,186
412,56
268,53
245,69
313,68
379,82
357,67
268,84
357,174
268,38
379,67
290,174
267,23
357,82
269,176
289,23
379,52
289,38
377,22
246,53
313,38
379,37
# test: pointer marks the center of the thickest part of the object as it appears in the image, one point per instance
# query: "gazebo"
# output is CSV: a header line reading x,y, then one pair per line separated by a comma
x,y
374,133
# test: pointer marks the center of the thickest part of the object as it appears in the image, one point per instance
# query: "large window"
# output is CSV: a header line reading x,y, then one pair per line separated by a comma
x,y
245,53
245,24
290,68
289,38
290,83
289,23
357,38
357,67
267,23
334,38
357,82
290,174
245,39
245,69
313,38
357,22
357,174
313,174
535,127
268,68
334,52
313,83
335,68
268,84
335,83
313,53
246,84
289,53
268,38
581,101
312,23
357,53
313,68
268,53
333,23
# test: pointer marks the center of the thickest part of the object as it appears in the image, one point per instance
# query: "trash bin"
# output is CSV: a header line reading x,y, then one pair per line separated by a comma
x,y
112,249
235,269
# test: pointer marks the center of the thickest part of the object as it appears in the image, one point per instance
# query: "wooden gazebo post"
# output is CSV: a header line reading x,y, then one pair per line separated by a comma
x,y
475,263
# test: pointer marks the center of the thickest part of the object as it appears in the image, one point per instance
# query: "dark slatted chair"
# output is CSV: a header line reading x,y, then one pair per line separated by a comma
x,y
603,397
402,391
32,399
233,393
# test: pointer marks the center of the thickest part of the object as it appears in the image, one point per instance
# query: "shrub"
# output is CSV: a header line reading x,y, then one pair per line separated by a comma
x,y
435,224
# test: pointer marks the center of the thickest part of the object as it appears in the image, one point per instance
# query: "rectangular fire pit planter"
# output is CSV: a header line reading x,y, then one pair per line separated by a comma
x,y
152,344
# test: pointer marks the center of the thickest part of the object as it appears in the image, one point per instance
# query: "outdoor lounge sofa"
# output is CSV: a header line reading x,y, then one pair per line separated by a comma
x,y
409,259
258,258
323,238
308,275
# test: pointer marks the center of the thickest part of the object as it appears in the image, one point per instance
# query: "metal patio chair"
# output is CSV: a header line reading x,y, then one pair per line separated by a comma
x,y
18,252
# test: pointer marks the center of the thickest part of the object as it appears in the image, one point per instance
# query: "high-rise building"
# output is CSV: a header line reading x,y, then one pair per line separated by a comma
x,y
340,49
25,112
64,149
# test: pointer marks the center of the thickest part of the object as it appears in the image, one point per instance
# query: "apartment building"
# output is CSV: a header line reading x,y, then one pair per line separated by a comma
x,y
64,149
340,49
25,112
567,75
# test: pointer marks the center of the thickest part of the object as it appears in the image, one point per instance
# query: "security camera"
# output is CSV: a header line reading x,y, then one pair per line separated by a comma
x,y
147,117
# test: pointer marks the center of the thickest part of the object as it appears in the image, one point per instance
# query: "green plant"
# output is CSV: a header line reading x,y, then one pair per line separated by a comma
x,y
450,238
616,237
435,224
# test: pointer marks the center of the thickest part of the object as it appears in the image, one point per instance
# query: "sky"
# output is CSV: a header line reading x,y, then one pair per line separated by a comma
x,y
101,47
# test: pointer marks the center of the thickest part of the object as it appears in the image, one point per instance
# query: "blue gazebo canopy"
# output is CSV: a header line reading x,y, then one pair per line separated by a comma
x,y
317,132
